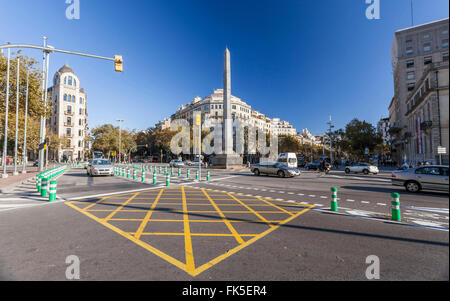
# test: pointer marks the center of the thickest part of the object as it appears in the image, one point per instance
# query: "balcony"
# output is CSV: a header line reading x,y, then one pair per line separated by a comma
x,y
68,124
426,125
395,129
70,113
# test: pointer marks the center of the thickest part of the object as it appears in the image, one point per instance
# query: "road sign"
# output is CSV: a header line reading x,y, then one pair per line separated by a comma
x,y
441,150
366,151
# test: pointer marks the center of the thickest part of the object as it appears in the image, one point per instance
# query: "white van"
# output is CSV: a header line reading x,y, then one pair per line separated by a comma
x,y
288,159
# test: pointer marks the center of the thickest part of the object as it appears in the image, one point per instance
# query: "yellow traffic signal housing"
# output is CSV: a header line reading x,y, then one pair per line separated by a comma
x,y
118,63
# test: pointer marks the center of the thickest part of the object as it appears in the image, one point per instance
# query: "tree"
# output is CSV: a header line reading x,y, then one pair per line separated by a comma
x,y
106,139
359,135
36,106
288,144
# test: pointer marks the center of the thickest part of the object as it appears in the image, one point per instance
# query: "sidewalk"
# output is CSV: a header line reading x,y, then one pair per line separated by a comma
x,y
11,181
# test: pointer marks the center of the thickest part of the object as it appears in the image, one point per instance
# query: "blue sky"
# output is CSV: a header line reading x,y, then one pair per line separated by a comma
x,y
299,60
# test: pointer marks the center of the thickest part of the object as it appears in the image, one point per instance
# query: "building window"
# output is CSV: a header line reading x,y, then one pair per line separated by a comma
x,y
426,36
65,97
65,80
80,133
73,98
410,75
426,47
427,60
411,86
444,32
68,134
69,109
445,43
445,57
74,82
409,50
69,120
79,143
79,122
81,111
70,80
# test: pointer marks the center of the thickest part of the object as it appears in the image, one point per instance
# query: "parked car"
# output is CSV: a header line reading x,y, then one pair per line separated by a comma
x,y
274,168
365,168
100,167
176,163
314,165
429,177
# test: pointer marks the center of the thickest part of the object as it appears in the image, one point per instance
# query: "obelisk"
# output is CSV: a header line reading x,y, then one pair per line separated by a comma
x,y
227,122
228,158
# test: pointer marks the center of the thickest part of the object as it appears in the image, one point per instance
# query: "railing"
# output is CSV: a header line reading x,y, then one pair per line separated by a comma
x,y
68,113
68,124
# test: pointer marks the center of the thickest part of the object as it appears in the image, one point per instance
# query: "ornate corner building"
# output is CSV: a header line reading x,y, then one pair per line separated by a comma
x,y
68,118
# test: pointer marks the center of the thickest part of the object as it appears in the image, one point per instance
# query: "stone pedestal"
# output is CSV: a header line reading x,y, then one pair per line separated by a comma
x,y
227,161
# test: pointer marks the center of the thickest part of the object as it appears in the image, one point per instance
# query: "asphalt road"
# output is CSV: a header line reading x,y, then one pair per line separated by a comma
x,y
298,238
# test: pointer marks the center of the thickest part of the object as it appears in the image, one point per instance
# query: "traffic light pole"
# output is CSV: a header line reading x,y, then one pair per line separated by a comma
x,y
46,51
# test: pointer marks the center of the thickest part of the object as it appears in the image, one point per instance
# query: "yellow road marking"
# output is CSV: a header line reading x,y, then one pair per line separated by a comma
x,y
190,265
252,211
192,234
230,227
120,207
146,246
240,247
91,205
147,216
290,213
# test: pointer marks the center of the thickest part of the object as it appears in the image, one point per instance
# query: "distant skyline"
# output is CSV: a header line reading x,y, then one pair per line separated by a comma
x,y
300,61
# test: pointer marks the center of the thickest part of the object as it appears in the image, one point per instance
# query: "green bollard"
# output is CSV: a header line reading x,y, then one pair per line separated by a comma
x,y
334,204
154,177
171,171
167,179
396,207
207,175
179,172
44,187
187,174
52,194
143,175
38,183
196,175
128,173
134,174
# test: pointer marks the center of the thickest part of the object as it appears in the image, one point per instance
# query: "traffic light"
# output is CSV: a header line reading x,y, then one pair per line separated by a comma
x,y
118,63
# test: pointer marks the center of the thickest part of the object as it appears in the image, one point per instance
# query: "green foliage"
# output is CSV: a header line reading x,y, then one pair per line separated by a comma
x,y
36,106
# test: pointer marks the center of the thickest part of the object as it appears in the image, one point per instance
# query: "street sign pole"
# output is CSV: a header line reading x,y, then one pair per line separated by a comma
x,y
5,143
24,150
15,173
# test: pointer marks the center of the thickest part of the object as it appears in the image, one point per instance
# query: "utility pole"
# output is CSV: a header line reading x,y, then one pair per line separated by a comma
x,y
120,139
331,143
5,143
24,150
15,173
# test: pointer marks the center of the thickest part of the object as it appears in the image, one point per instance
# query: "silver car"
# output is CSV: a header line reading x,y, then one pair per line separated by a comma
x,y
429,177
176,163
100,167
274,168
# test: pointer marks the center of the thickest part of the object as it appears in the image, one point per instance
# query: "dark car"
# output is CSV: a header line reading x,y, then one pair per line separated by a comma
x,y
314,166
274,168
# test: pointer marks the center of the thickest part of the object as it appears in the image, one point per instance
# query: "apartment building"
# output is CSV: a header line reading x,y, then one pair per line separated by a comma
x,y
211,108
69,116
417,53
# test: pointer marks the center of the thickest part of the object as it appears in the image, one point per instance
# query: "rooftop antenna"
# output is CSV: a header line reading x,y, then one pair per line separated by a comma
x,y
412,14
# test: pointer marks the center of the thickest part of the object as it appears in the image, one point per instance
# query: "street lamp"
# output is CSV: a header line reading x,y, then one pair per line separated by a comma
x,y
120,138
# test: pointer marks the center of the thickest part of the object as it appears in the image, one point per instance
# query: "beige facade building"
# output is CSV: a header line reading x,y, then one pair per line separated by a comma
x,y
211,108
417,115
69,115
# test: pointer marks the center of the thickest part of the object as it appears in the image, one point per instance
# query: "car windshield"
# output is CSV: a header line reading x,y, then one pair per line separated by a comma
x,y
279,165
101,162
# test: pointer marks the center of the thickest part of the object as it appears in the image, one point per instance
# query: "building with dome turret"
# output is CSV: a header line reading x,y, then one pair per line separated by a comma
x,y
69,115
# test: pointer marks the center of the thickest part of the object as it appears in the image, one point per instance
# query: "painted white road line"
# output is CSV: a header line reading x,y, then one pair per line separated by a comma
x,y
365,202
381,204
312,195
348,200
323,197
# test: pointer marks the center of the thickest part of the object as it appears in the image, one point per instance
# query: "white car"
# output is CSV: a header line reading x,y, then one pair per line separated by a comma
x,y
362,167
